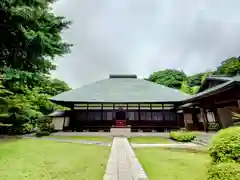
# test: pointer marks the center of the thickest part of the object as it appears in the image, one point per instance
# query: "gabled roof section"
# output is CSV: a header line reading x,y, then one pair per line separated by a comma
x,y
212,78
217,77
121,89
215,89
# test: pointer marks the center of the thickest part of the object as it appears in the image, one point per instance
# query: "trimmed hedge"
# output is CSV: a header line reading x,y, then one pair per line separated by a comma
x,y
224,171
42,133
225,146
183,136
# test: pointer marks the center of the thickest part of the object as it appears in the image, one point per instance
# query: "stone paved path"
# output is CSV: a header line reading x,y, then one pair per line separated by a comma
x,y
122,163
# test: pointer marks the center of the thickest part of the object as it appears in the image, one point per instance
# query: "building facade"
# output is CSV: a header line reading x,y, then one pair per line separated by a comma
x,y
122,100
125,100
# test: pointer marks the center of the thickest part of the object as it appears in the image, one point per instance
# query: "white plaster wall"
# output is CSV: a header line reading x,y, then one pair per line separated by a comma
x,y
58,123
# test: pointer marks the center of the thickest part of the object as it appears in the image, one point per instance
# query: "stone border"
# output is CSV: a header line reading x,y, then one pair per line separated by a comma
x,y
138,171
72,141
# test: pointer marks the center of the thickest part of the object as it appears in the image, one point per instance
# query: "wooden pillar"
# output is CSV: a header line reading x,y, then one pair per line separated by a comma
x,y
151,111
63,122
139,114
113,110
163,113
70,119
101,111
205,120
87,112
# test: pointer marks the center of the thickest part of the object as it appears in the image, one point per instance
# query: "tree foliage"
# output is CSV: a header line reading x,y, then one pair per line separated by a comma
x,y
195,80
168,77
191,84
229,67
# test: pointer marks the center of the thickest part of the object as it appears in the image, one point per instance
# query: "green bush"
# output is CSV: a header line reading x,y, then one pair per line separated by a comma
x,y
44,123
42,133
183,136
26,128
224,171
225,145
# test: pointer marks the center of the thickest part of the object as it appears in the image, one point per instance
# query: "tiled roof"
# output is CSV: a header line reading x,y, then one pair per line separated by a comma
x,y
122,89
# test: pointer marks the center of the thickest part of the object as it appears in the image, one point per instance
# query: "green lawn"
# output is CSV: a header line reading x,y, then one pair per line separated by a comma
x,y
87,138
149,140
173,164
28,159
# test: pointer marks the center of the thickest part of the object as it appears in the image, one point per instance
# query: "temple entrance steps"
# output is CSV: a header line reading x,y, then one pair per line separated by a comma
x,y
203,139
120,131
122,163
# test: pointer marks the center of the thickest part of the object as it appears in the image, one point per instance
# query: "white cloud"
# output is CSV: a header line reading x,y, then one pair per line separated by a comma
x,y
140,36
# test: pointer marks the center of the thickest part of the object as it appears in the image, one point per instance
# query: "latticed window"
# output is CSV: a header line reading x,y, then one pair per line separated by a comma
x,y
145,115
157,116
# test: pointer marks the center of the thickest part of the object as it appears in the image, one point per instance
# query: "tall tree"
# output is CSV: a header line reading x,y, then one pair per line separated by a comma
x,y
168,77
31,39
31,35
188,89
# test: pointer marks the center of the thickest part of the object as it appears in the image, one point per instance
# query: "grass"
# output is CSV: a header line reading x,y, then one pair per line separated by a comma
x,y
28,159
149,140
172,164
86,138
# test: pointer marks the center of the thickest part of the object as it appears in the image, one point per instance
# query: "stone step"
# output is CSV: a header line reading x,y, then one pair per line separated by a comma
x,y
121,132
203,140
200,143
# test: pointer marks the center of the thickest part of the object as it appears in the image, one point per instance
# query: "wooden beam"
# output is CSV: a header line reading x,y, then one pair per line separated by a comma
x,y
225,101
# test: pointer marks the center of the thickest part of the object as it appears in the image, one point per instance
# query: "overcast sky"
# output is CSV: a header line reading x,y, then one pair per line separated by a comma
x,y
142,36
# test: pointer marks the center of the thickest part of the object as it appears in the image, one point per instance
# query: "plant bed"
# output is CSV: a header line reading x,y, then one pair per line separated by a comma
x,y
149,140
183,136
42,133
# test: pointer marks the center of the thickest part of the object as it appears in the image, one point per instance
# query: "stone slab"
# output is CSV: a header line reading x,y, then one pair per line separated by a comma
x,y
123,163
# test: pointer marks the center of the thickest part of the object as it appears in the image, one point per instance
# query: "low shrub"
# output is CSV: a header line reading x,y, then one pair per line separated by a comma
x,y
224,171
225,145
26,128
42,133
183,136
